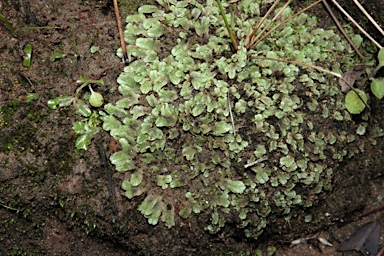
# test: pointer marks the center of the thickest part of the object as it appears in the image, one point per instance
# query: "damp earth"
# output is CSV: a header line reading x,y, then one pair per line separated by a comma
x,y
57,200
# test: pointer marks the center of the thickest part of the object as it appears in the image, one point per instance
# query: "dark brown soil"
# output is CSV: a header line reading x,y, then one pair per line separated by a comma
x,y
56,200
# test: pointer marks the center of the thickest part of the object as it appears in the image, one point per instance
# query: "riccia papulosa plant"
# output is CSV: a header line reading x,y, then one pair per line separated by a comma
x,y
203,129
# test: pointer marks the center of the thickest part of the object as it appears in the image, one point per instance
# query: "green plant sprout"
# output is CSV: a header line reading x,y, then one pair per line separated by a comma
x,y
356,101
90,125
27,56
377,84
14,31
29,97
57,55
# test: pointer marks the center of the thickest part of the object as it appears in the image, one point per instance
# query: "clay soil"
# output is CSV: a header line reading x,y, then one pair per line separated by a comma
x,y
56,200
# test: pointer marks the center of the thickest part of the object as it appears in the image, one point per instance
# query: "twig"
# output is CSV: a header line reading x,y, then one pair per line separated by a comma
x,y
369,16
356,24
253,42
250,36
286,20
381,252
7,207
256,162
342,30
123,47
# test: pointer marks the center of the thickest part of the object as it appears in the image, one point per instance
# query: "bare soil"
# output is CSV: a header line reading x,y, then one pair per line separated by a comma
x,y
56,200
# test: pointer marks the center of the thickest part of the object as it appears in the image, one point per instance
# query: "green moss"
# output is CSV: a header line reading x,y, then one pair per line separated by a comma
x,y
195,114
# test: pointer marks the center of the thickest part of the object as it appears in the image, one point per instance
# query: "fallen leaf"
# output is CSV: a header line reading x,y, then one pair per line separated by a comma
x,y
366,239
350,77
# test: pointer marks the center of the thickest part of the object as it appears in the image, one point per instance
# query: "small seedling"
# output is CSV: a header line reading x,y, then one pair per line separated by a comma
x,y
57,55
356,101
377,84
89,126
27,56
29,97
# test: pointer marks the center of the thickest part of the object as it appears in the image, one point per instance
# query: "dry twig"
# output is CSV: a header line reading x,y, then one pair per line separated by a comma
x,y
342,30
123,47
356,24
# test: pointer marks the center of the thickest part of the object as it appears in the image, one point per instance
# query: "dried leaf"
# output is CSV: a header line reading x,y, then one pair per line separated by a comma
x,y
351,76
366,239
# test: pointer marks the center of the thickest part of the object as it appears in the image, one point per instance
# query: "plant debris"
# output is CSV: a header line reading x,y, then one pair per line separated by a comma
x,y
365,240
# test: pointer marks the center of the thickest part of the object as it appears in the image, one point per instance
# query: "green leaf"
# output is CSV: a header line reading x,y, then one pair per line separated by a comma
x,y
152,100
110,123
127,186
168,216
83,141
176,180
260,151
235,186
146,43
29,97
377,87
163,180
62,101
156,31
123,161
82,109
186,211
138,111
162,122
380,56
146,87
361,129
94,49
189,152
287,161
147,8
27,56
262,177
168,116
353,103
198,109
221,128
136,179
57,55
79,127
179,49
147,206
132,191
202,26
153,218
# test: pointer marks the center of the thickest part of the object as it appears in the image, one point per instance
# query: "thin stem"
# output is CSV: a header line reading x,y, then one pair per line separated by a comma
x,y
285,21
8,207
256,162
270,23
369,17
250,36
230,31
356,24
342,30
121,34
8,24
